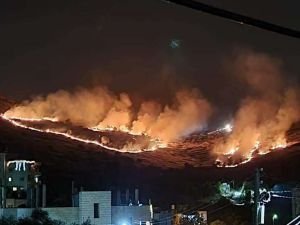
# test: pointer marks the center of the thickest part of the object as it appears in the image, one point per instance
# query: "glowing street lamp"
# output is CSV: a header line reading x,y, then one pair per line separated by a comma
x,y
275,217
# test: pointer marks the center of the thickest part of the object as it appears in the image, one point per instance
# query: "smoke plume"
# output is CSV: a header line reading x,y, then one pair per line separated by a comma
x,y
266,113
98,107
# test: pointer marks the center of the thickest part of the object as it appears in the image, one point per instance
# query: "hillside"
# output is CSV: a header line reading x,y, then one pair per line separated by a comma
x,y
180,170
161,174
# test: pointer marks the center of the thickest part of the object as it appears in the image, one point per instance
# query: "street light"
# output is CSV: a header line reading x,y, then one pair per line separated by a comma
x,y
275,217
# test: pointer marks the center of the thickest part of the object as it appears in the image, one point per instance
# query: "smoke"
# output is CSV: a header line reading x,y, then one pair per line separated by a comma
x,y
268,110
189,109
264,115
101,108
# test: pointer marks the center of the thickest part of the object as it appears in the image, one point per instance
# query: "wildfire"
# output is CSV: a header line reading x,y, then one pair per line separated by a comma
x,y
31,119
129,148
264,114
230,158
279,144
224,159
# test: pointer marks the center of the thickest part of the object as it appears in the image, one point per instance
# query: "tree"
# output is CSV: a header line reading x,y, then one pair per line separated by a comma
x,y
27,221
8,221
40,216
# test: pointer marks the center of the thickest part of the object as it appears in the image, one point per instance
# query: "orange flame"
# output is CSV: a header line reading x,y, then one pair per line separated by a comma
x,y
154,143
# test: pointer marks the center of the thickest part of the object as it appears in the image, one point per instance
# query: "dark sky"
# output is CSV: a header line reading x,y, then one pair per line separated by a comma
x,y
125,44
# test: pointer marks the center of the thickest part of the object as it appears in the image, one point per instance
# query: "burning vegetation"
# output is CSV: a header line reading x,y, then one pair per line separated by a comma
x,y
101,110
264,116
101,117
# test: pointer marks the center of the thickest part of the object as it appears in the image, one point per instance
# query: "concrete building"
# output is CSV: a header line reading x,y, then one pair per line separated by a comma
x,y
20,183
94,206
21,193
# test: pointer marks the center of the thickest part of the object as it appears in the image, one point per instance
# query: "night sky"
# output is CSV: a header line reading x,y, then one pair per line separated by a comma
x,y
149,48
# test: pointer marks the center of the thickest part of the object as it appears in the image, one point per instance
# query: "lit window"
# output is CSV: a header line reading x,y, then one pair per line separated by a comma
x,y
96,210
9,179
15,188
36,179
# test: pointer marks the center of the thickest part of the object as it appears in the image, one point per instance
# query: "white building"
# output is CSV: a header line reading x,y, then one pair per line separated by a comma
x,y
94,206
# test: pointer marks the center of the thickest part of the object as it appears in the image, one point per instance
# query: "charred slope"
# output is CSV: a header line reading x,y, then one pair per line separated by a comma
x,y
168,175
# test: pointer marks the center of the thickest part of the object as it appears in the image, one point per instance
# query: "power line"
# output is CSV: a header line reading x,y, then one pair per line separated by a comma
x,y
190,210
283,196
218,209
239,18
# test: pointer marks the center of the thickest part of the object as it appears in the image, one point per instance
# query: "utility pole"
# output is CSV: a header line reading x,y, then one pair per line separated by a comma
x,y
256,197
3,179
261,197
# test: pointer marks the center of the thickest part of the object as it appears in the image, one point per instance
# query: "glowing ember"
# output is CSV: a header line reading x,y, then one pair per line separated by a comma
x,y
32,119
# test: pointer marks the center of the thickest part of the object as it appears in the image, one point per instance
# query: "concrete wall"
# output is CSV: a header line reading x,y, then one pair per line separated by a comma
x,y
16,213
68,215
130,215
87,200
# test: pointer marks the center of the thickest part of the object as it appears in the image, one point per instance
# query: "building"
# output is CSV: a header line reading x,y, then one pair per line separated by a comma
x,y
20,183
94,206
21,193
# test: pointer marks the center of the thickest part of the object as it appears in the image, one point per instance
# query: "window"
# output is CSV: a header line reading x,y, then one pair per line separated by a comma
x,y
21,178
10,179
96,210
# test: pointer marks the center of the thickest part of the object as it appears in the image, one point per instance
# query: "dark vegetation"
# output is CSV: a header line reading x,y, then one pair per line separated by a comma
x,y
38,217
